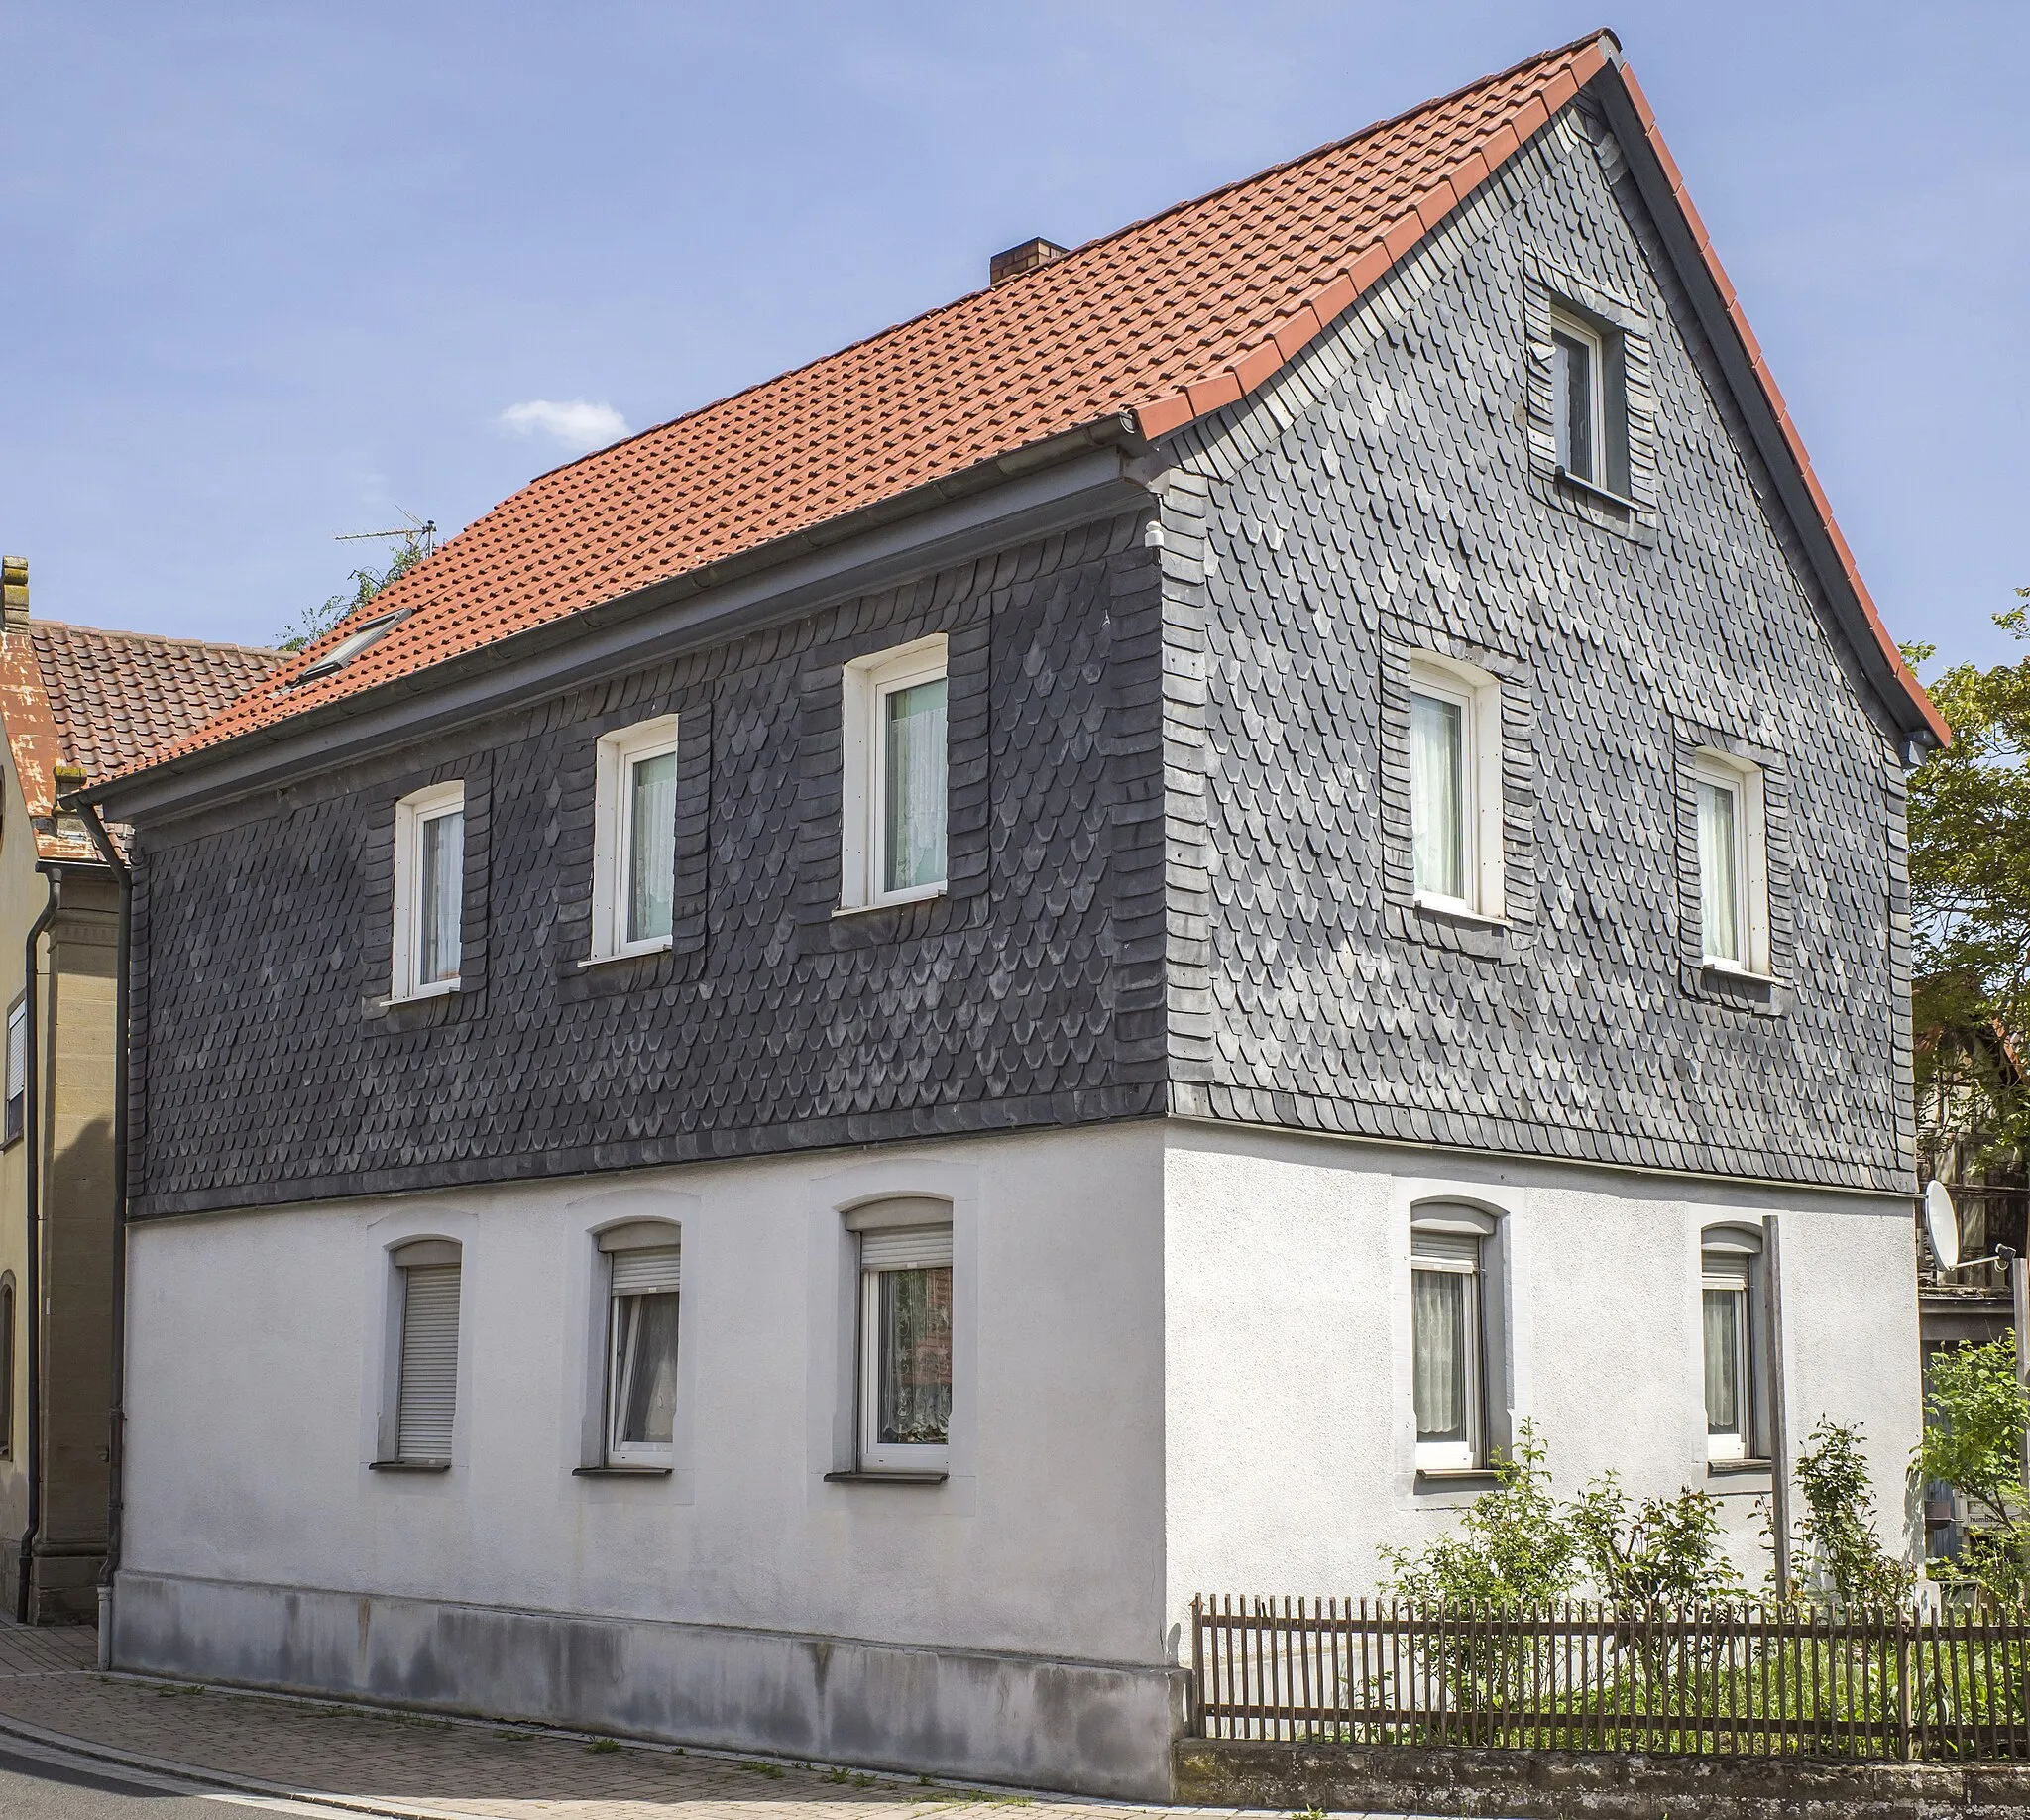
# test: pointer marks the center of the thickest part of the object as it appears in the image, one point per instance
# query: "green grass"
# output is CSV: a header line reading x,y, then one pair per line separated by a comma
x,y
602,1747
773,1772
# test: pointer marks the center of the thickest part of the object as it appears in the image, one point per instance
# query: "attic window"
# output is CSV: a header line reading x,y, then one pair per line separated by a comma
x,y
349,646
1589,401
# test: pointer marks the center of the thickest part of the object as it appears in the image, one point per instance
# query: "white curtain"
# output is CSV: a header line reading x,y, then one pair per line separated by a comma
x,y
1718,876
443,876
915,1356
913,813
1438,1311
651,845
1722,1361
1437,789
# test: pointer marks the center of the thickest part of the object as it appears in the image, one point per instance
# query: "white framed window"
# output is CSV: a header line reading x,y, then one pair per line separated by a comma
x,y
643,1260
1734,878
904,1375
1579,395
1455,786
17,1071
1731,1313
896,785
429,891
1448,1336
634,839
427,1388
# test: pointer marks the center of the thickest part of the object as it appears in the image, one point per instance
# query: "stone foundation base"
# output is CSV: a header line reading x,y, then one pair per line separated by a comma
x,y
1576,1785
1089,1728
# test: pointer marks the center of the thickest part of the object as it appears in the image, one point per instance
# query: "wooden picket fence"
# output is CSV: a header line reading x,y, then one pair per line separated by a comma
x,y
1747,1678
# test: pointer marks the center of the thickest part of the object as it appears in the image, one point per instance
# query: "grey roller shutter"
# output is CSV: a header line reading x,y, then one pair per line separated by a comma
x,y
1445,1247
647,1273
429,1362
907,1248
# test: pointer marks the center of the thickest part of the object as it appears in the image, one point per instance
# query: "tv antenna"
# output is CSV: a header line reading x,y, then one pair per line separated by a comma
x,y
418,532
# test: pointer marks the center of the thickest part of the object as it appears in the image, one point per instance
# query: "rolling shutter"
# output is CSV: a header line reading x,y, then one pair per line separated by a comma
x,y
907,1248
647,1273
429,1362
1459,1249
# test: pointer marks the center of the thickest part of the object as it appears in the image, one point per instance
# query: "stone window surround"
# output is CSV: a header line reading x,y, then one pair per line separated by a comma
x,y
1548,288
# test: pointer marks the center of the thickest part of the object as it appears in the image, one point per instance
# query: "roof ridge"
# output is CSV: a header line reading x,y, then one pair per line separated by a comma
x,y
1087,246
112,631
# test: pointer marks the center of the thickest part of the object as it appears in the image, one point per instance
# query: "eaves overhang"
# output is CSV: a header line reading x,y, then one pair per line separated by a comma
x,y
1052,485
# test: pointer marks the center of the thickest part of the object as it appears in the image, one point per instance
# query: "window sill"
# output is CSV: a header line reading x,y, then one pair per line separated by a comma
x,y
629,954
886,1478
1719,1469
1732,970
923,895
1458,911
1566,478
420,996
408,1465
622,1472
1457,1475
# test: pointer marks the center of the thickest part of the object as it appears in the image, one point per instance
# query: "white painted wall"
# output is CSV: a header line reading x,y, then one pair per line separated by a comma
x,y
255,1385
1182,1366
1292,1440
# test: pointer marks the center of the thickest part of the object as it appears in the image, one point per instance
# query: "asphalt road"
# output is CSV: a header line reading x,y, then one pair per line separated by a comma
x,y
46,1784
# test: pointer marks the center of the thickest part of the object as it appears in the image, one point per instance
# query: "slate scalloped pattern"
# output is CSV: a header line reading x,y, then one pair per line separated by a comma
x,y
1118,322
260,940
1405,498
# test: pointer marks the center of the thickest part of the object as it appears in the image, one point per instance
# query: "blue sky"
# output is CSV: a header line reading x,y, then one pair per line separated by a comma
x,y
275,272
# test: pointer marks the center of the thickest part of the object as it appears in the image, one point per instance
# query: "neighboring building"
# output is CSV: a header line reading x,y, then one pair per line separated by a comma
x,y
1066,959
78,704
1970,1072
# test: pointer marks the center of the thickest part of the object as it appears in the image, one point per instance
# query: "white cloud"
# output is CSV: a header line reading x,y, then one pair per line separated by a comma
x,y
574,423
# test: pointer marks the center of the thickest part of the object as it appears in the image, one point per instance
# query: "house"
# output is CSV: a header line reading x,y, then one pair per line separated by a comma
x,y
78,704
1066,958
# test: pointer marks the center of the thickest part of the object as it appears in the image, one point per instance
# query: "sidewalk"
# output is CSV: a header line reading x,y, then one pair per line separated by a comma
x,y
380,1761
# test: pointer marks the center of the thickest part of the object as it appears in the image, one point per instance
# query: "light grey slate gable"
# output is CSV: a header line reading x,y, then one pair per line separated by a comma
x,y
1389,494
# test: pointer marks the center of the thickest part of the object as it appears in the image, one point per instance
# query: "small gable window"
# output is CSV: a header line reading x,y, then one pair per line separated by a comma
x,y
1589,401
1455,786
1734,890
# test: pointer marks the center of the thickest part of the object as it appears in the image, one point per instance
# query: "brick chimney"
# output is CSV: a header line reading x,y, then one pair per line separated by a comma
x,y
14,593
1025,258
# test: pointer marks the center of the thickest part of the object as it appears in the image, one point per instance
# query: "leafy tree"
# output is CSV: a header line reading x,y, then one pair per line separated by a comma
x,y
1969,889
1974,1442
314,622
1844,1561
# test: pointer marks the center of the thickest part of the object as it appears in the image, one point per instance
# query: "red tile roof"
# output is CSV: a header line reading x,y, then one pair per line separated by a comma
x,y
102,702
1163,321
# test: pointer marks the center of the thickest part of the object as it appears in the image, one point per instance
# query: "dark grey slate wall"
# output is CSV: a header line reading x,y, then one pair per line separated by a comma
x,y
1395,493
1032,992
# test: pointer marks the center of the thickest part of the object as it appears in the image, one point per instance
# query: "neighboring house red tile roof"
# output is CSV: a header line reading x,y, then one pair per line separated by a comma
x,y
1160,322
101,701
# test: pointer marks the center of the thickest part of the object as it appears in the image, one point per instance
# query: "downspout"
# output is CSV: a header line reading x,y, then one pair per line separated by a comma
x,y
32,1272
116,1420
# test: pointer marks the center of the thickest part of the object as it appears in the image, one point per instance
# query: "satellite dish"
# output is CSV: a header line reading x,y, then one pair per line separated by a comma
x,y
1942,1225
